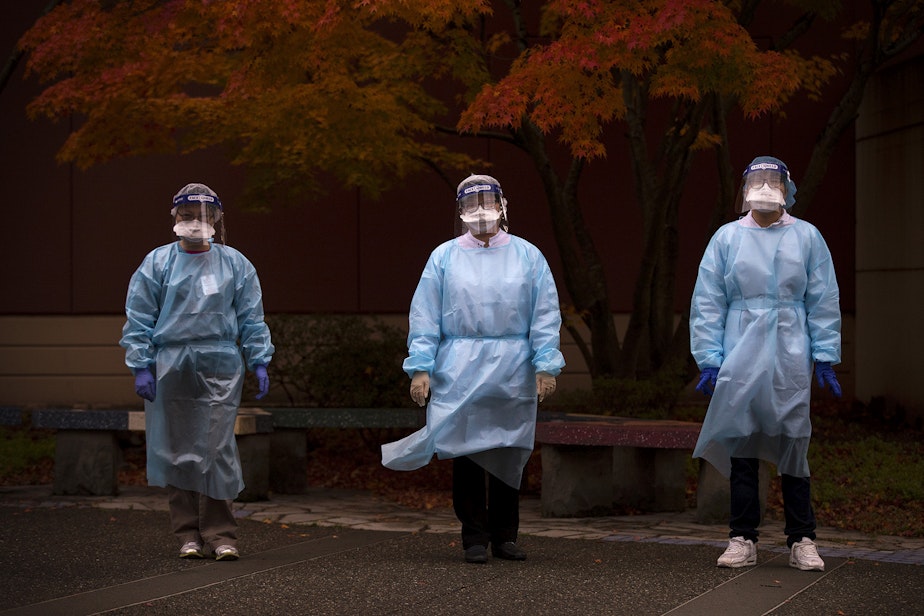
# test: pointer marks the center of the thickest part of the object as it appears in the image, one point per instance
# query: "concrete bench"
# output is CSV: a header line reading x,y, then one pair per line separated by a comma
x,y
593,464
289,442
88,454
590,463
10,416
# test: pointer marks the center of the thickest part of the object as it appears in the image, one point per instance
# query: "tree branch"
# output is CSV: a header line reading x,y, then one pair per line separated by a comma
x,y
505,137
13,61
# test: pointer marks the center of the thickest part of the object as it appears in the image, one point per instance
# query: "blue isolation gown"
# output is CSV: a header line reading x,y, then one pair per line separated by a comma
x,y
764,308
186,313
483,322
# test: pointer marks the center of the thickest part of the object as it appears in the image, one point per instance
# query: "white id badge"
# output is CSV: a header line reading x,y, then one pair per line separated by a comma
x,y
209,286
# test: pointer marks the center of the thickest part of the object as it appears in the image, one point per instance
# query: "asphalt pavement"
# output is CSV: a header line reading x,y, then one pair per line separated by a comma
x,y
345,552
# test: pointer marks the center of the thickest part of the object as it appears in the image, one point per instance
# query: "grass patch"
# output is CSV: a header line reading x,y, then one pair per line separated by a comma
x,y
871,485
25,452
867,474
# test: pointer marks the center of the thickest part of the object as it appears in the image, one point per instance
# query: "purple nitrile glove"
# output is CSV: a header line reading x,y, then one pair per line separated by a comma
x,y
262,380
825,375
145,384
707,381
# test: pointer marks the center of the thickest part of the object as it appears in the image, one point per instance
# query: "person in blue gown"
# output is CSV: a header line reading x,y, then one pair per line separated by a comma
x,y
194,323
483,348
765,310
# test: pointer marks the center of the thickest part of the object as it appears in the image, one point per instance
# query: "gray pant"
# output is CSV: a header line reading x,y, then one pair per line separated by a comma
x,y
196,517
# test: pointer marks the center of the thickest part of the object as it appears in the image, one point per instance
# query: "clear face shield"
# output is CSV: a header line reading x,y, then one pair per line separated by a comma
x,y
195,217
764,188
481,209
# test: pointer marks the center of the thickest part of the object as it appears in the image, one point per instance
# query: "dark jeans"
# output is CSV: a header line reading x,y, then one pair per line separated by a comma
x,y
488,514
745,503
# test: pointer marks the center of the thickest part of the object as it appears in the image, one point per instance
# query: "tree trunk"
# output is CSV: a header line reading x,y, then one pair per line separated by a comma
x,y
584,275
650,343
841,119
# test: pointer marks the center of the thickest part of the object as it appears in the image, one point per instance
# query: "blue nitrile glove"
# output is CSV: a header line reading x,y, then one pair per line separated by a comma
x,y
145,385
825,375
707,380
262,380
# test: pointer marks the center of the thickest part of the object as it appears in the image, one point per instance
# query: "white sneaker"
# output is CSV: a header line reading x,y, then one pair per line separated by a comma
x,y
191,549
226,552
804,556
740,552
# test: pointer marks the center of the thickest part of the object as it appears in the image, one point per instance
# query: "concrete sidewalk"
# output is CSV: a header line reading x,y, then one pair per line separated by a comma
x,y
340,552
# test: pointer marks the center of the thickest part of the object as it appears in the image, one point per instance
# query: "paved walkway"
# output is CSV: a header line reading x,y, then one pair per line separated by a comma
x,y
345,553
360,510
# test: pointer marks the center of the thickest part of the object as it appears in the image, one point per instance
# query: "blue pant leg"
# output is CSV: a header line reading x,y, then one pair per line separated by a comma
x,y
797,506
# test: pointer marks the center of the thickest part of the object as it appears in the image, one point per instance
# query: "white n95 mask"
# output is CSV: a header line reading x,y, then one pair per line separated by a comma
x,y
482,221
194,230
765,198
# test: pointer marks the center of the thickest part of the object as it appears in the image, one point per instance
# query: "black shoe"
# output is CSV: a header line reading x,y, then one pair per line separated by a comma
x,y
476,554
508,551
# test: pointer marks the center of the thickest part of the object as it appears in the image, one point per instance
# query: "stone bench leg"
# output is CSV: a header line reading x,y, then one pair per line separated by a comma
x,y
288,469
254,450
649,479
87,462
713,494
576,480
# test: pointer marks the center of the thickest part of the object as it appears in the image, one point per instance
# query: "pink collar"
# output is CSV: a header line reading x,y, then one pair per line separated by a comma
x,y
501,238
748,220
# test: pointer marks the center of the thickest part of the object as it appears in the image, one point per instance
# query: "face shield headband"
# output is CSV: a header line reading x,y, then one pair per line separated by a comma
x,y
213,202
478,196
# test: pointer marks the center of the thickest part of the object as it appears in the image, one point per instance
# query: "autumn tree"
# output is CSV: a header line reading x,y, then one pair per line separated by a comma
x,y
358,89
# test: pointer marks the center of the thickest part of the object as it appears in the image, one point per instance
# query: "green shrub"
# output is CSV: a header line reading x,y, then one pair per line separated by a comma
x,y
338,361
652,398
20,449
